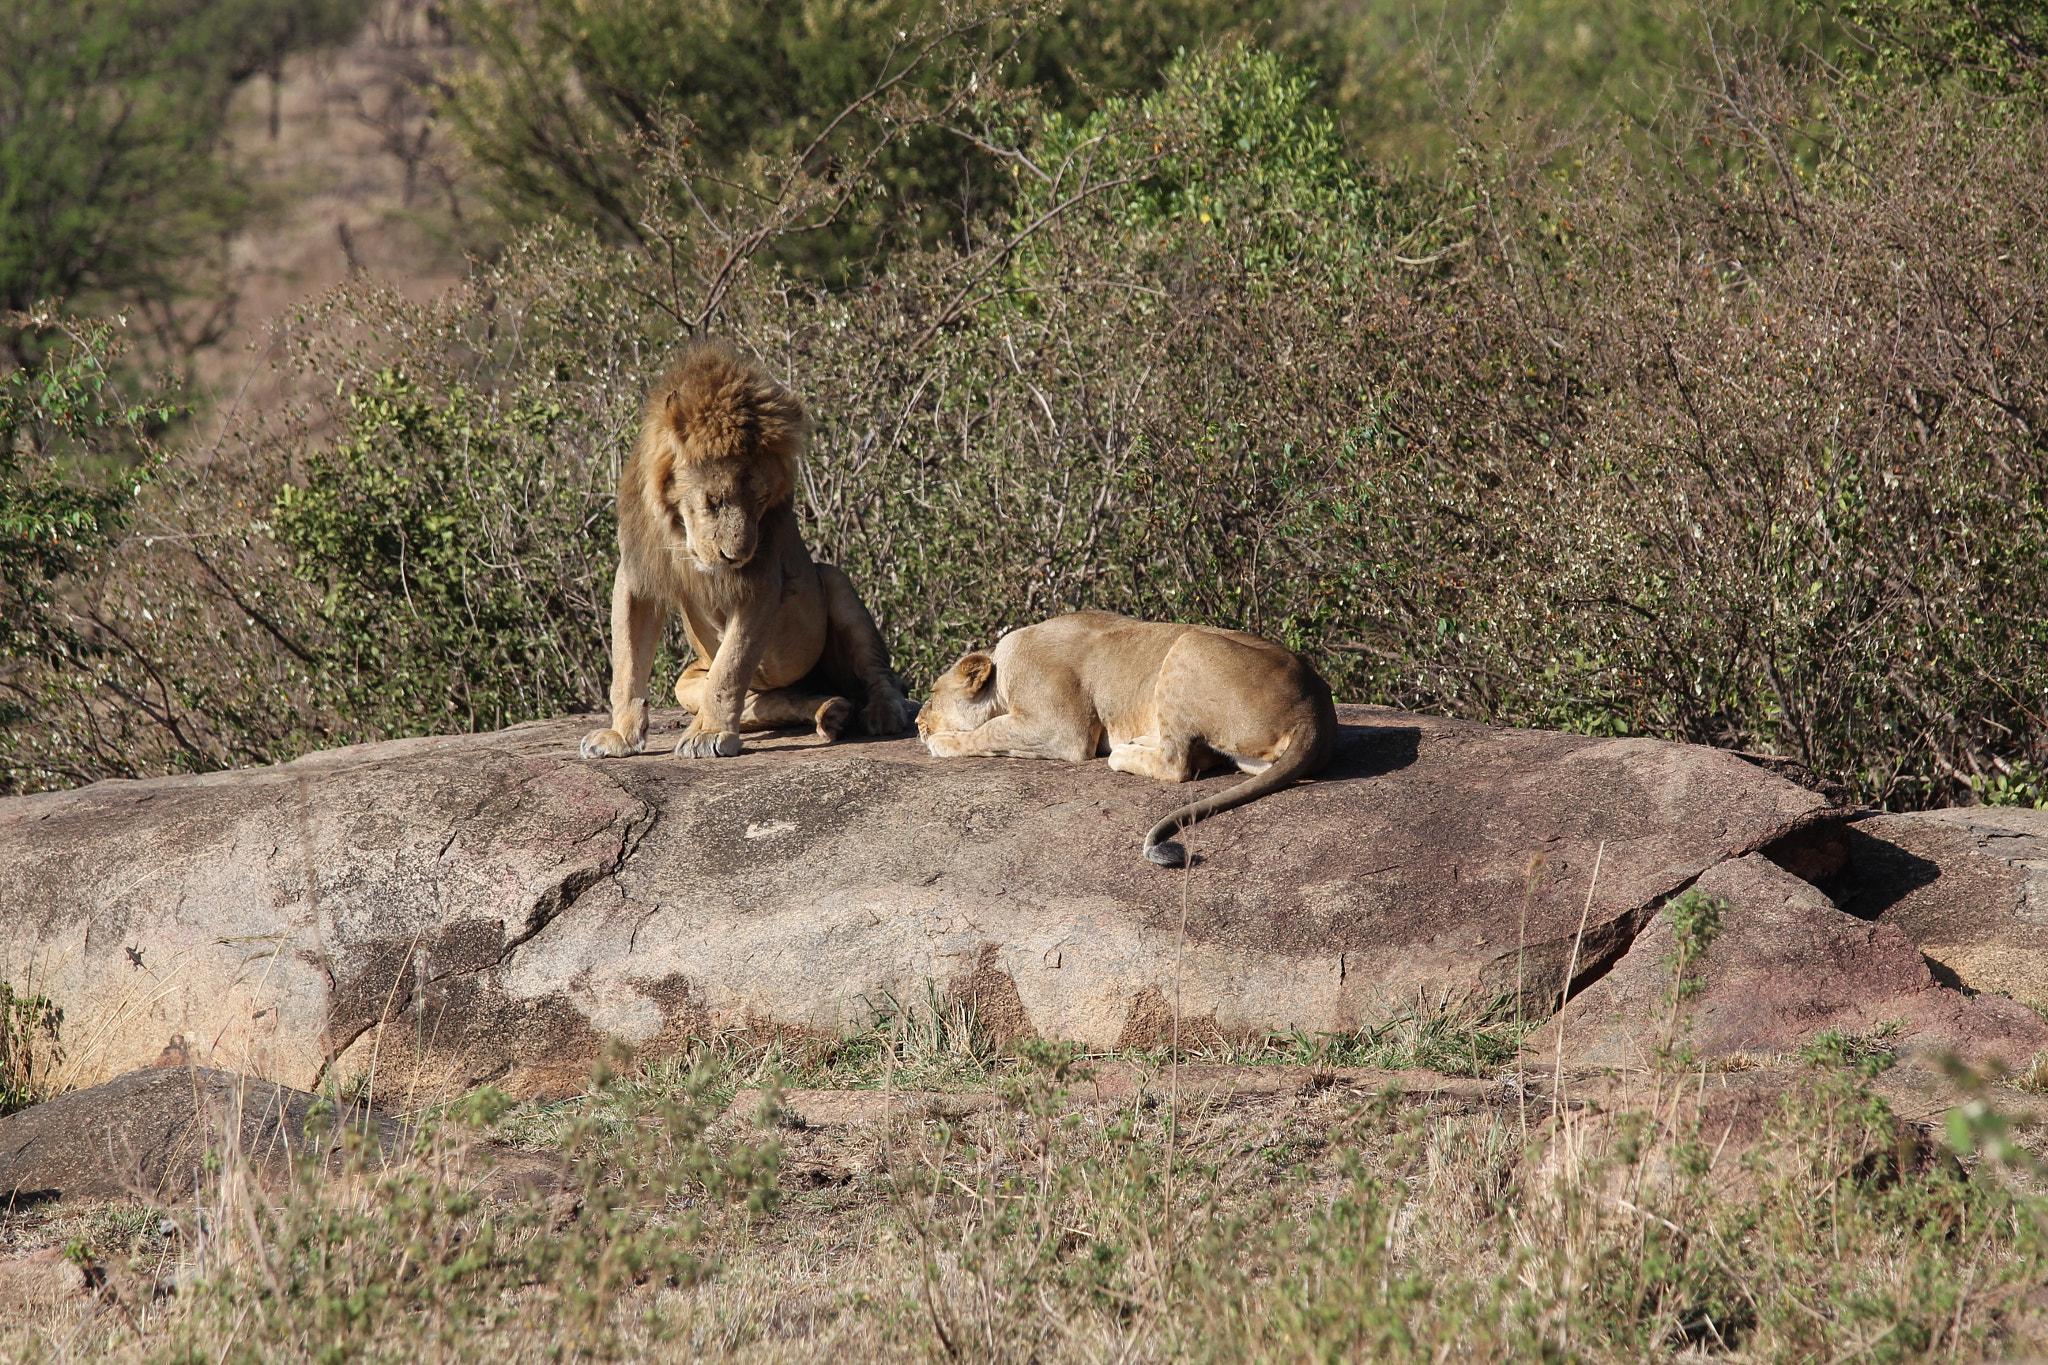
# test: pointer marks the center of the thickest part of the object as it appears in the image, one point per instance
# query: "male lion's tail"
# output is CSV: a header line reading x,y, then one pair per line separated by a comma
x,y
1311,738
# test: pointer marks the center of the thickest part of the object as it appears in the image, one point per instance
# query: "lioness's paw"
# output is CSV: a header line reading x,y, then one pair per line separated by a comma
x,y
832,718
709,744
606,744
888,716
945,744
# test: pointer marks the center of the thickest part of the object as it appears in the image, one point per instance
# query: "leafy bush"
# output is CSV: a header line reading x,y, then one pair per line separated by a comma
x,y
29,1026
59,427
1749,458
566,96
1416,83
1998,48
436,529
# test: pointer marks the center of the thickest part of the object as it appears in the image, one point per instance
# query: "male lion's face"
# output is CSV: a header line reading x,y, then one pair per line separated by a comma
x,y
963,698
720,512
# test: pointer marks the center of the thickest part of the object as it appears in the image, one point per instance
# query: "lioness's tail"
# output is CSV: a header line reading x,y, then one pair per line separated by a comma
x,y
1311,738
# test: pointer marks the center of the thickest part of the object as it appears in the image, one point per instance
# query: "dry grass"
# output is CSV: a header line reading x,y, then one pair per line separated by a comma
x,y
1336,1224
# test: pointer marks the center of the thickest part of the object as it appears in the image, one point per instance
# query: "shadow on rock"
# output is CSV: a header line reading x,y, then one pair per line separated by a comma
x,y
1372,751
1879,875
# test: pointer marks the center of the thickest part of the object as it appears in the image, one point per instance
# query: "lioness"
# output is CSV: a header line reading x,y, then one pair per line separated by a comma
x,y
707,527
1164,701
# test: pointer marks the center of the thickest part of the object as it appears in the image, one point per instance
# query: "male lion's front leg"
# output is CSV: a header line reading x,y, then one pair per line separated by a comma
x,y
715,729
636,630
854,649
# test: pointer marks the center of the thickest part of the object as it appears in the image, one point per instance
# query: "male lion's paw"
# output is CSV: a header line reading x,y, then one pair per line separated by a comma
x,y
606,744
709,744
888,716
832,718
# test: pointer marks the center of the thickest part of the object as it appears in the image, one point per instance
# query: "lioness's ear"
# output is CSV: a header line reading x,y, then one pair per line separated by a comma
x,y
977,671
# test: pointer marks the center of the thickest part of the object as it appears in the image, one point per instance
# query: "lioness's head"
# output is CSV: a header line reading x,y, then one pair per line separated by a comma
x,y
963,698
722,439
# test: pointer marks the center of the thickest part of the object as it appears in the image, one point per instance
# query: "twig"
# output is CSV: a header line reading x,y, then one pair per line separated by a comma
x,y
1180,938
1572,963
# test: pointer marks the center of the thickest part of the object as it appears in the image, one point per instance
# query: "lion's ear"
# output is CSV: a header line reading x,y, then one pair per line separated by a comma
x,y
977,671
672,405
661,466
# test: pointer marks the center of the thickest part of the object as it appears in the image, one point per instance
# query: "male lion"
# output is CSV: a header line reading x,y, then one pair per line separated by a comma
x,y
707,527
1164,701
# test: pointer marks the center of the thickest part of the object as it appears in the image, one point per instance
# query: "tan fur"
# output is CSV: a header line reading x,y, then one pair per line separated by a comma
x,y
707,527
1159,700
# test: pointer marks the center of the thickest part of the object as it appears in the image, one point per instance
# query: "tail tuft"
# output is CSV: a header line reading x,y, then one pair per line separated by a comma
x,y
1311,738
1167,853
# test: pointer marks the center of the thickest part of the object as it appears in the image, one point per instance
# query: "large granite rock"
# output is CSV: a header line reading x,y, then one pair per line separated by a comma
x,y
445,911
1785,965
1968,887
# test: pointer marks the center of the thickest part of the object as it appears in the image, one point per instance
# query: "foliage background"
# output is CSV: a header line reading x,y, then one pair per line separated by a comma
x,y
114,193
1705,403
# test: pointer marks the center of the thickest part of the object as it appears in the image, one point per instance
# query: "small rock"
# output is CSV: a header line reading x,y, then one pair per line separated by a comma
x,y
814,1176
147,1134
1107,1083
510,1175
1969,887
852,1108
40,1279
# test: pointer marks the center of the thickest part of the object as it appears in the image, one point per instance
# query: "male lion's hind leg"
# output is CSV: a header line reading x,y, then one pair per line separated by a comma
x,y
690,686
785,708
781,708
854,653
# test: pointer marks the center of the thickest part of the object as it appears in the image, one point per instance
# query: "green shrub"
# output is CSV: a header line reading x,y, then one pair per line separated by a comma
x,y
116,189
435,530
565,96
29,1026
1710,461
1998,49
74,456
